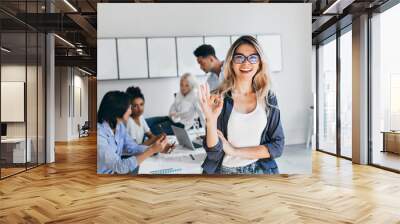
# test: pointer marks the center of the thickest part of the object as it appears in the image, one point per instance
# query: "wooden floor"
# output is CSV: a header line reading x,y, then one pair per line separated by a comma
x,y
5,172
70,191
388,159
10,171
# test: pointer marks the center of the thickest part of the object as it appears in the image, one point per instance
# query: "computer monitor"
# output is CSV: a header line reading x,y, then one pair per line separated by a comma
x,y
3,129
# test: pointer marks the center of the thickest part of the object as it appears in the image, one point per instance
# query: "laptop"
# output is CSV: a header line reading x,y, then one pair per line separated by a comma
x,y
184,139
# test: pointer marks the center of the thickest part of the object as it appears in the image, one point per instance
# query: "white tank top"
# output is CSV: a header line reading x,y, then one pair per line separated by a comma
x,y
245,130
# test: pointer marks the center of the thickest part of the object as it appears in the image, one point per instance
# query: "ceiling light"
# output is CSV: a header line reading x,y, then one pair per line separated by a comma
x,y
329,9
70,5
5,50
84,71
65,41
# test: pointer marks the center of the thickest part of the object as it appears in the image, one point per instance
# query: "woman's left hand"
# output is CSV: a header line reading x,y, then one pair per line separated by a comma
x,y
227,147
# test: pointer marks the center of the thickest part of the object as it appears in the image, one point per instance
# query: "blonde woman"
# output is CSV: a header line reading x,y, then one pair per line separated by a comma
x,y
244,134
186,109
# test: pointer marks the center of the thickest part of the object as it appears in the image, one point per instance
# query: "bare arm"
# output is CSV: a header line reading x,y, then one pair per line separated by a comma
x,y
158,146
211,134
211,106
151,138
253,152
146,154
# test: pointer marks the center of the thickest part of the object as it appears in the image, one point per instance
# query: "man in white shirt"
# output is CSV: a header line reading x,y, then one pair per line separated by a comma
x,y
209,63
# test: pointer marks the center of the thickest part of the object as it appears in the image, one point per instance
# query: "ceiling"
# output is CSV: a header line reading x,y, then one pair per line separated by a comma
x,y
76,22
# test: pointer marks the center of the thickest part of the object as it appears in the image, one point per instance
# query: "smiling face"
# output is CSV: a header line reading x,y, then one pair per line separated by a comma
x,y
246,70
137,107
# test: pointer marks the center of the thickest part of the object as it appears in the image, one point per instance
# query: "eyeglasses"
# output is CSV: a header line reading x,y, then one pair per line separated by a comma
x,y
240,58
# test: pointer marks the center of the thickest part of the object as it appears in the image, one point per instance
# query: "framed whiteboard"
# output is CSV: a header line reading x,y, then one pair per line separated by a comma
x,y
106,59
271,44
162,57
12,101
221,45
234,38
186,60
132,58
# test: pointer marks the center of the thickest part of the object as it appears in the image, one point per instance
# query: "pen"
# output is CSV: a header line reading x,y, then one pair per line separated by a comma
x,y
171,148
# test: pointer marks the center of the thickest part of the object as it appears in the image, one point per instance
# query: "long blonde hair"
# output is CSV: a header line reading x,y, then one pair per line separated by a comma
x,y
261,80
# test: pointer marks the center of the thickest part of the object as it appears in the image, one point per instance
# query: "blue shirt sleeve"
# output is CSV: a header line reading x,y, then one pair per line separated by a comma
x,y
275,138
110,162
131,147
214,153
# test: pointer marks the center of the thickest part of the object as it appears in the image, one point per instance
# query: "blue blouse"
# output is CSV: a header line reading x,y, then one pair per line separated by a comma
x,y
111,147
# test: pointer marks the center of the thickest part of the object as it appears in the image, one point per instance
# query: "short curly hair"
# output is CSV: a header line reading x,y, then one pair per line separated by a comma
x,y
134,92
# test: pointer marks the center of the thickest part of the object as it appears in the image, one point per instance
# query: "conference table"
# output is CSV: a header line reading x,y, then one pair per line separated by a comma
x,y
180,161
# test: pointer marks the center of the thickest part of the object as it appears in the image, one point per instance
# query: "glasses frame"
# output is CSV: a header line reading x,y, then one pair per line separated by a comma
x,y
246,58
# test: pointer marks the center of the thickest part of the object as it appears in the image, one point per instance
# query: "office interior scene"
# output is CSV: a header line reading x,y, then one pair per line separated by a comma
x,y
334,102
26,140
156,60
49,104
22,99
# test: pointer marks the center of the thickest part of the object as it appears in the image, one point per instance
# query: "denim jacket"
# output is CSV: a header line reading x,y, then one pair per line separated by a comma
x,y
272,136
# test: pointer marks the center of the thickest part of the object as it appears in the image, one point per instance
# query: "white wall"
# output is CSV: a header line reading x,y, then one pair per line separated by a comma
x,y
158,93
61,103
67,121
33,127
17,73
293,84
80,118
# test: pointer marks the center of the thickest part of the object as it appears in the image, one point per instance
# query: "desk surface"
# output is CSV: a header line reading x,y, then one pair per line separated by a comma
x,y
180,161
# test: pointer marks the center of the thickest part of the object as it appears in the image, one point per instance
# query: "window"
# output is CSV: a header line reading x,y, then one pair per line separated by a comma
x,y
385,89
327,97
346,94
